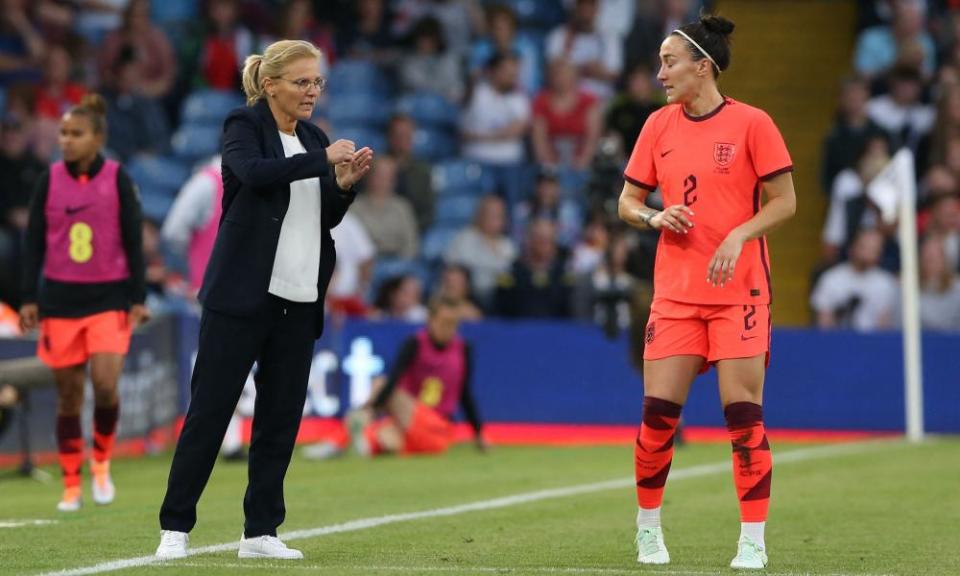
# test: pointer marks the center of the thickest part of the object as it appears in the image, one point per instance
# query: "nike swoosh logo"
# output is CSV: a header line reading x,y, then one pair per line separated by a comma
x,y
662,154
71,210
745,338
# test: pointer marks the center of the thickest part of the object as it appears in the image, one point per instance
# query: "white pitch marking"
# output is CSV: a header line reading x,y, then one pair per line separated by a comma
x,y
483,505
286,566
22,523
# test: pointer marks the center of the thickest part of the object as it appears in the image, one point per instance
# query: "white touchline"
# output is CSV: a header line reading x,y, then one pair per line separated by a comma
x,y
482,505
22,523
319,568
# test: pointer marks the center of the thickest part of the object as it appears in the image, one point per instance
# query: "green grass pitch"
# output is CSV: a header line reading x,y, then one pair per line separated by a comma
x,y
886,508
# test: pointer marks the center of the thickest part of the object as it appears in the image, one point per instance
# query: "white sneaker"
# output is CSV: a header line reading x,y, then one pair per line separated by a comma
x,y
173,544
357,420
650,547
322,451
71,501
101,484
267,547
749,555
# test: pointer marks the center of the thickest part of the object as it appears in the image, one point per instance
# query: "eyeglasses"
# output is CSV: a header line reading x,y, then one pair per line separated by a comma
x,y
304,84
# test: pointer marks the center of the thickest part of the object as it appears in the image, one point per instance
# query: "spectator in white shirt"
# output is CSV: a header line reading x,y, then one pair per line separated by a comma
x,y
939,287
387,218
857,294
598,56
355,255
901,113
495,124
848,193
484,248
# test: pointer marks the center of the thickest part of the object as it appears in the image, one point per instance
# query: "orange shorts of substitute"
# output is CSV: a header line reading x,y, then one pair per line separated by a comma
x,y
715,332
70,341
429,432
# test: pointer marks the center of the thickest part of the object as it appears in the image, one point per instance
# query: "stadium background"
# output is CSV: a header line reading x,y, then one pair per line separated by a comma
x,y
575,368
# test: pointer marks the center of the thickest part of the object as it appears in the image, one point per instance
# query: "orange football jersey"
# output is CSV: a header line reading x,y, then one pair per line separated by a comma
x,y
715,165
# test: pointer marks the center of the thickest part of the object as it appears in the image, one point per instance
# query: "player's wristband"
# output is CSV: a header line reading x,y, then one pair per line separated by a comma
x,y
647,217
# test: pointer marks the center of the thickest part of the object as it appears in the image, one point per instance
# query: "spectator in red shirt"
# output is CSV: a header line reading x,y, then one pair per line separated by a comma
x,y
226,45
58,93
566,120
152,53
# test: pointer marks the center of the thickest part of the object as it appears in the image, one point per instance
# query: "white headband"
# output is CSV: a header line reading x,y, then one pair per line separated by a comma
x,y
699,47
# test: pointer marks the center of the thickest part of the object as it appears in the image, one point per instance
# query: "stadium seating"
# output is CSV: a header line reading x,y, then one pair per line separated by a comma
x,y
209,106
434,144
193,142
387,268
158,175
536,13
361,108
173,11
362,137
435,242
455,210
430,110
354,76
155,205
460,177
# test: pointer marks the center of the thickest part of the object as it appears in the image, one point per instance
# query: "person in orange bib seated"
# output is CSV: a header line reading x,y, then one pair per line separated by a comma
x,y
428,382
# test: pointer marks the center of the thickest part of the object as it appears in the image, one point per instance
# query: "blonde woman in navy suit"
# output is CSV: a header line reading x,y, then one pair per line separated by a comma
x,y
285,187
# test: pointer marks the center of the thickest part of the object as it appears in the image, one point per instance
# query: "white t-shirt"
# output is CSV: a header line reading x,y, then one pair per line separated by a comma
x,y
584,48
296,267
354,247
869,297
488,112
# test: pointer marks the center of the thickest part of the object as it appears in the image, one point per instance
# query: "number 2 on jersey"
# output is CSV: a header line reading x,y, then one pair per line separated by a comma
x,y
689,190
81,242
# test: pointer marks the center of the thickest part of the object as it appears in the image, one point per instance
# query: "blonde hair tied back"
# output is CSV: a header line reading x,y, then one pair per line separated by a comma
x,y
270,64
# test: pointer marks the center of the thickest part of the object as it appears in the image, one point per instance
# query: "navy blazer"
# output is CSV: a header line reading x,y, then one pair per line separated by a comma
x,y
256,193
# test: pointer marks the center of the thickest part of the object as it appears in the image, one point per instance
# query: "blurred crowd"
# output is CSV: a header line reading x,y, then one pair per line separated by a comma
x,y
903,91
501,129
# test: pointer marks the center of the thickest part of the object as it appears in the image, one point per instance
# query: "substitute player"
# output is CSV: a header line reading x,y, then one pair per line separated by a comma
x,y
84,283
428,381
710,156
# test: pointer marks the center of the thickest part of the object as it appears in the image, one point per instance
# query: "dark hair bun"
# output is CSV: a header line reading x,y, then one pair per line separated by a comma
x,y
94,102
717,24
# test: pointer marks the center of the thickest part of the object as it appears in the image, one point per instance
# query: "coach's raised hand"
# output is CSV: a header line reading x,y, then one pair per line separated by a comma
x,y
340,151
349,173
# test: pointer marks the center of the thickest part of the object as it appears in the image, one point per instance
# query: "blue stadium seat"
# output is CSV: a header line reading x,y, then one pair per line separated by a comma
x,y
209,106
434,144
460,177
386,268
193,142
573,182
435,242
158,174
361,136
353,76
534,13
359,109
173,11
455,210
430,110
155,206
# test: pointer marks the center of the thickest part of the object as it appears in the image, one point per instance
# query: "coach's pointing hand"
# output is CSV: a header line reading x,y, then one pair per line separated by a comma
x,y
340,151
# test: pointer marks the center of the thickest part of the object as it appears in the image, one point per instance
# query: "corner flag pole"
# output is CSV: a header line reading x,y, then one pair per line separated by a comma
x,y
894,191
